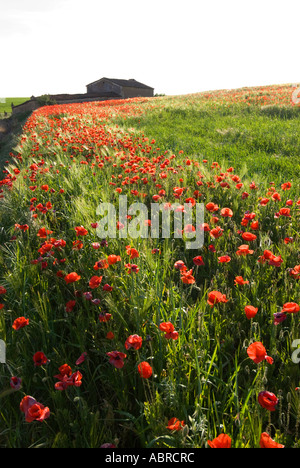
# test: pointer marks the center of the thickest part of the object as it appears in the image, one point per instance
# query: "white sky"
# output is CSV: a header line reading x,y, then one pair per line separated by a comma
x,y
176,47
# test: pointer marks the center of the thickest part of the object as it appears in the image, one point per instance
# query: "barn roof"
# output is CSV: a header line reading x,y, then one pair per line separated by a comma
x,y
125,83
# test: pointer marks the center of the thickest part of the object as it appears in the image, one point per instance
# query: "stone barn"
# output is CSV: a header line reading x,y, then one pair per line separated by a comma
x,y
123,89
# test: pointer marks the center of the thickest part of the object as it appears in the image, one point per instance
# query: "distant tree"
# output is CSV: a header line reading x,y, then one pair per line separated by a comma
x,y
46,100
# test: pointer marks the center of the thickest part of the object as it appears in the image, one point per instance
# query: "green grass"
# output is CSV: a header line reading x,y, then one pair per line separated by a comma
x,y
6,105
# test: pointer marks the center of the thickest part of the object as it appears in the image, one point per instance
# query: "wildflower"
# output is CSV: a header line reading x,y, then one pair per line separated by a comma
x,y
112,259
33,410
211,207
77,245
72,278
198,260
2,290
187,277
180,265
131,268
222,441
133,253
240,280
116,358
267,400
224,259
267,442
216,232
169,330
145,370
250,311
175,424
107,287
20,322
133,341
110,335
248,236
279,317
101,264
43,233
70,306
81,231
40,359
215,297
291,307
295,272
95,282
15,383
104,317
226,212
257,352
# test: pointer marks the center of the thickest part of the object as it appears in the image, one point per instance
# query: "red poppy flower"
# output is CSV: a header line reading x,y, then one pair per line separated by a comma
x,y
40,359
222,441
268,400
226,212
77,245
216,232
81,231
248,236
187,277
198,260
169,330
257,352
295,272
224,259
211,207
145,370
112,259
133,341
104,317
70,306
95,282
43,233
291,307
107,287
244,250
215,297
180,265
20,323
117,358
267,442
131,268
15,383
2,290
33,410
240,280
101,264
72,278
175,424
133,253
250,311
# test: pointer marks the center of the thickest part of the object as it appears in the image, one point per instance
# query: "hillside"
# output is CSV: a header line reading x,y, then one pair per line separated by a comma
x,y
139,341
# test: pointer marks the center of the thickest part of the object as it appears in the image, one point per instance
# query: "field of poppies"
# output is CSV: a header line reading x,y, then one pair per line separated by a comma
x,y
140,342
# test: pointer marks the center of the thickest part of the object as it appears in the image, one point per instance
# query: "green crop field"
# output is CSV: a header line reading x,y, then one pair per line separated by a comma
x,y
128,337
5,103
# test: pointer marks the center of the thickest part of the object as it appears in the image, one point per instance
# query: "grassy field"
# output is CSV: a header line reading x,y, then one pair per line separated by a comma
x,y
141,342
5,103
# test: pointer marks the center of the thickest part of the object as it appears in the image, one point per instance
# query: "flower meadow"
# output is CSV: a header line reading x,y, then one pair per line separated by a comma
x,y
142,343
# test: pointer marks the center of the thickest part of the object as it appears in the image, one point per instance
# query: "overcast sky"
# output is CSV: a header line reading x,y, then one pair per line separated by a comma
x,y
176,47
